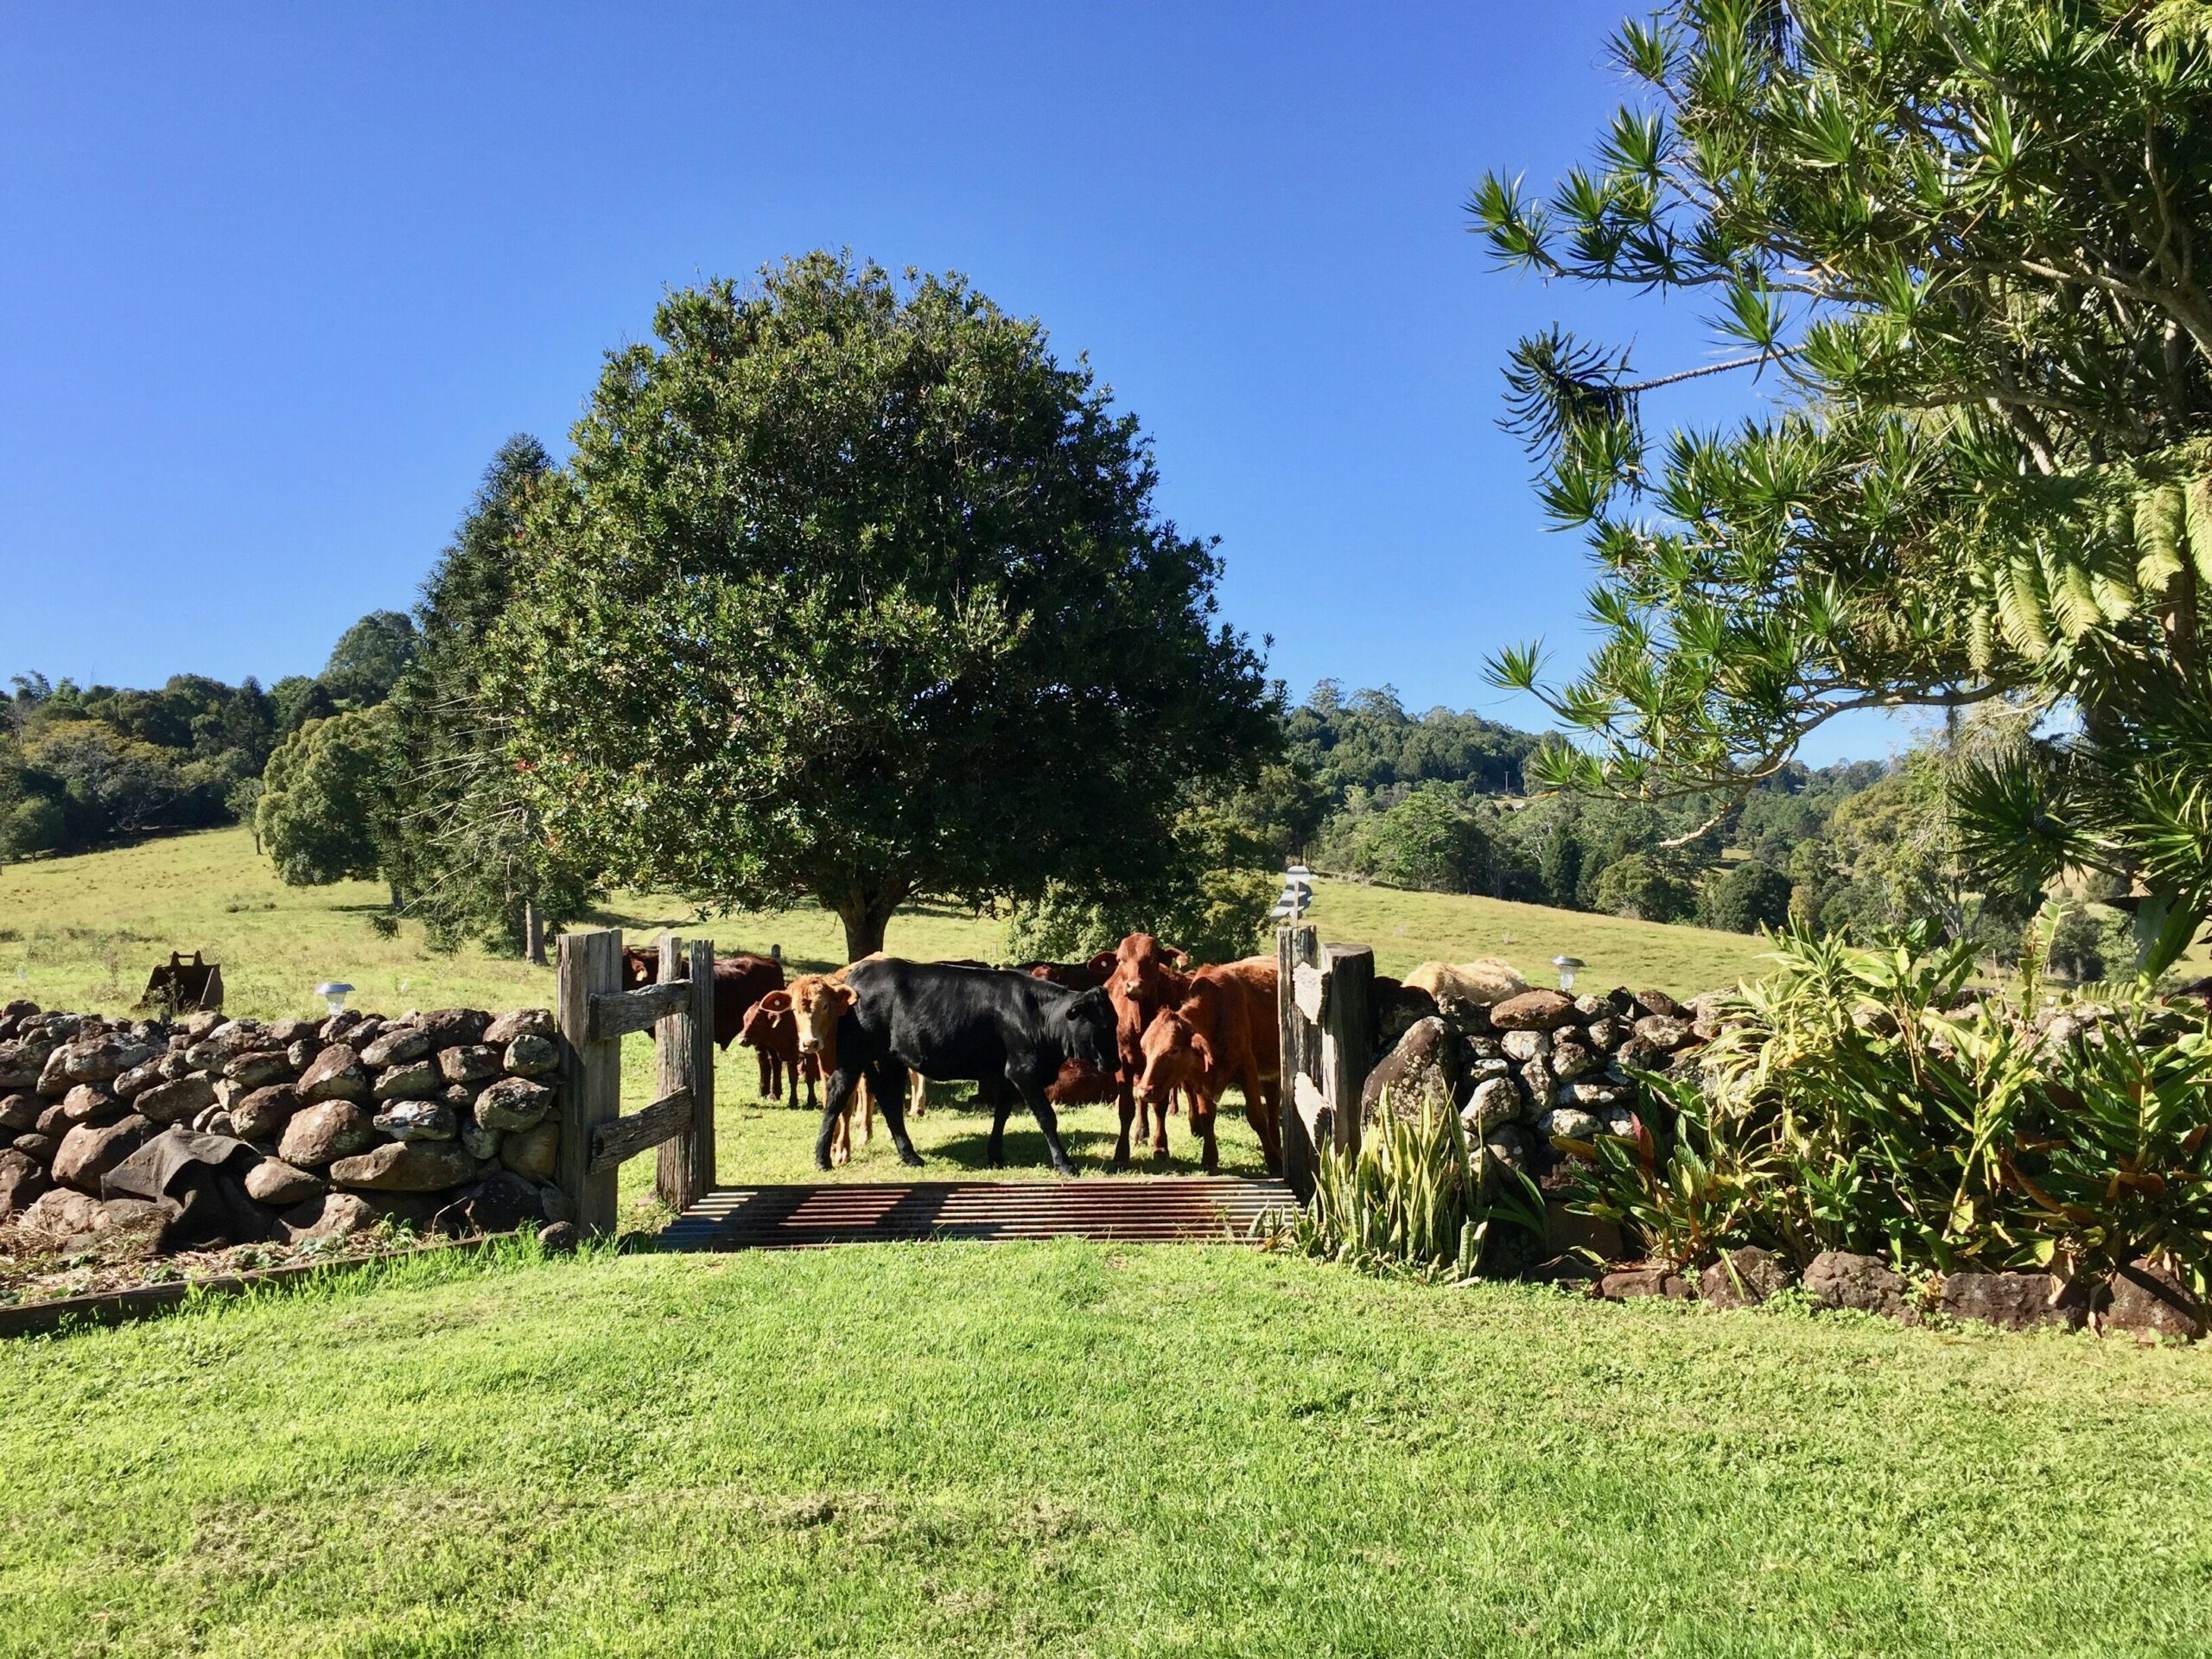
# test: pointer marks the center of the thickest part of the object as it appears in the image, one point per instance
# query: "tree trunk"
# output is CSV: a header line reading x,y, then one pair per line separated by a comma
x,y
398,903
866,913
533,933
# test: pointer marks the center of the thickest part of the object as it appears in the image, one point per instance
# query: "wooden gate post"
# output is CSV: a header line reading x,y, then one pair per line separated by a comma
x,y
684,1044
1297,947
591,1073
1347,1036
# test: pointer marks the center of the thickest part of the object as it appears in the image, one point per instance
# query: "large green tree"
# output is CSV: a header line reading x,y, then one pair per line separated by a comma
x,y
854,591
471,860
1960,243
329,805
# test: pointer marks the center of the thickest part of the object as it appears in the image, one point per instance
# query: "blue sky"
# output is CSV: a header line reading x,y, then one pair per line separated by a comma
x,y
277,280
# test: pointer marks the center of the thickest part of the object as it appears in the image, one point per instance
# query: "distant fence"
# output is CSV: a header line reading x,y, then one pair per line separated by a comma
x,y
595,1013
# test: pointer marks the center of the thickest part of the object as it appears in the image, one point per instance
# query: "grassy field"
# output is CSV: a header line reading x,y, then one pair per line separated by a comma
x,y
1080,1450
81,933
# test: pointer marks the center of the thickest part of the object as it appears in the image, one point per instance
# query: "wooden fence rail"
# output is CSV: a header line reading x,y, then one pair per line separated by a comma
x,y
594,1015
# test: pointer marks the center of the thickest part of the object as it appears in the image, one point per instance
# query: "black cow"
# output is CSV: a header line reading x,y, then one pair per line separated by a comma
x,y
1009,1033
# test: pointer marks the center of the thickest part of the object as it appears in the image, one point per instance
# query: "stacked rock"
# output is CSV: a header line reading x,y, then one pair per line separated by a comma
x,y
1534,1067
288,1130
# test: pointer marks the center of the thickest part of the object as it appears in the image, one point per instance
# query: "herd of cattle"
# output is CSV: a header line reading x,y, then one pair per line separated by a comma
x,y
1138,1024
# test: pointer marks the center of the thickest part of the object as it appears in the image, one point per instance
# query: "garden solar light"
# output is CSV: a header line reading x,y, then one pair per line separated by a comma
x,y
333,994
1566,965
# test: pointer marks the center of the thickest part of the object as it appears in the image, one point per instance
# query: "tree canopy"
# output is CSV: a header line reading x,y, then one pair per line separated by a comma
x,y
854,591
369,658
1959,241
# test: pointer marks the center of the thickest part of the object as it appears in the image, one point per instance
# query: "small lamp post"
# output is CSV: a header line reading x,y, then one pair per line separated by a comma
x,y
333,994
1566,965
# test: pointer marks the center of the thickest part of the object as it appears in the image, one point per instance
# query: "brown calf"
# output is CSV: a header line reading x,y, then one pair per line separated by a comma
x,y
772,1030
1221,1034
1143,977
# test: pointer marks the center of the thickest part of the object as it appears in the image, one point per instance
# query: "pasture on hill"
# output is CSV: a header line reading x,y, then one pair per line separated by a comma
x,y
1076,1449
80,933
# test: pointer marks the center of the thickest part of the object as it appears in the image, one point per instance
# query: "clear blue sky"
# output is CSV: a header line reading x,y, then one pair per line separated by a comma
x,y
276,280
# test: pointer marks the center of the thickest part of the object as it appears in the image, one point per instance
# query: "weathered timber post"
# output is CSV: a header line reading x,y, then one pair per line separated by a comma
x,y
591,1072
1325,1007
684,1044
1298,947
1347,1035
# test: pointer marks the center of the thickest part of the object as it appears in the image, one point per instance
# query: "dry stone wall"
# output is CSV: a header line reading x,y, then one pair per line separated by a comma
x,y
211,1131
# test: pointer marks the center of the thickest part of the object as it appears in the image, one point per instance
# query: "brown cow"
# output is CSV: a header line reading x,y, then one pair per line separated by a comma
x,y
772,1030
1221,1033
1071,976
740,981
1144,977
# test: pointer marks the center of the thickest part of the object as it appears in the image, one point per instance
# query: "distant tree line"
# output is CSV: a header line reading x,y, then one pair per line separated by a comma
x,y
86,766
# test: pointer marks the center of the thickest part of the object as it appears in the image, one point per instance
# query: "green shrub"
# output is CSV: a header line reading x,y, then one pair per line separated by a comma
x,y
1864,1100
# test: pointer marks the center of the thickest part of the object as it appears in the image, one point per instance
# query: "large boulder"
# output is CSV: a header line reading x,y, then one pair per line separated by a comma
x,y
259,1068
284,1033
263,1114
418,1120
20,1065
1424,1065
1744,1278
1663,1030
522,1022
336,1074
532,1154
456,1028
1401,1011
1842,1279
39,1148
1568,1058
1523,1047
2014,1301
501,1203
95,1060
279,1185
406,1167
21,1183
90,1102
1495,1103
19,1114
175,1103
60,1212
1535,1011
2148,1302
1631,1284
87,1153
139,1079
1569,1123
320,1135
513,1103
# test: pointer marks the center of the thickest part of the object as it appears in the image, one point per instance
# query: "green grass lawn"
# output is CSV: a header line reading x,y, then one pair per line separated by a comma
x,y
1076,1450
81,933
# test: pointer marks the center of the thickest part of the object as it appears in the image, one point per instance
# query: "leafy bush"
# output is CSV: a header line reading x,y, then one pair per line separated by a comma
x,y
1866,1100
1410,1200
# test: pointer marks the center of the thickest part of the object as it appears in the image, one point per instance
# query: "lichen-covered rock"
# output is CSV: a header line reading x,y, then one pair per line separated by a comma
x,y
2148,1302
530,1056
482,1144
20,1065
19,1114
531,1152
1424,1065
258,1068
471,1063
1663,1030
1841,1279
399,1045
1570,1060
406,1167
2014,1301
415,1080
140,1078
337,1074
1521,1047
320,1135
521,1022
300,1055
280,1186
1569,1123
1534,1011
283,1033
455,1027
1401,1010
1744,1278
1604,1034
88,1103
1511,1145
513,1103
97,1059
22,1182
87,1153
334,1215
263,1114
173,1103
418,1120
1495,1103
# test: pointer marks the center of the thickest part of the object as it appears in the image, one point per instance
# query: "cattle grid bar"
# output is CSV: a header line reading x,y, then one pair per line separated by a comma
x,y
1325,1002
593,1013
